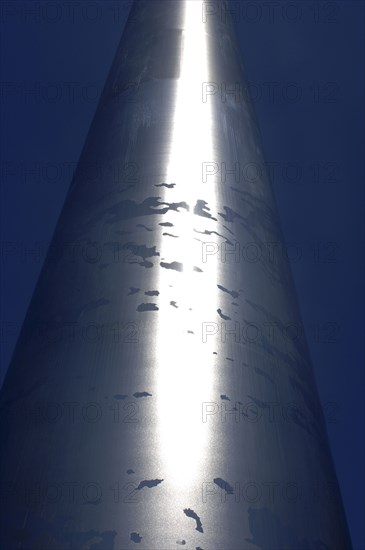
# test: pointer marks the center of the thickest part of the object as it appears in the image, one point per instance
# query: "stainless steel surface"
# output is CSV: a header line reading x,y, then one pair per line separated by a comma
x,y
133,415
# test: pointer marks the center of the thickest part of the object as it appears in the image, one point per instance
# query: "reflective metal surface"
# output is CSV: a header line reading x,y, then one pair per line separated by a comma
x,y
161,394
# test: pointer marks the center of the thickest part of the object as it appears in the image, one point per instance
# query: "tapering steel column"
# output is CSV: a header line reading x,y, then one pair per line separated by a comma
x,y
161,393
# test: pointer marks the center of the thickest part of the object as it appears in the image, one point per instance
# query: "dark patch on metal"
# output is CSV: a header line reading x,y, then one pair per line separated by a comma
x,y
173,304
176,205
135,537
223,485
233,293
221,314
191,514
152,293
229,231
224,397
166,224
206,232
142,394
202,209
142,251
170,235
144,226
168,185
229,215
127,209
177,266
147,307
149,483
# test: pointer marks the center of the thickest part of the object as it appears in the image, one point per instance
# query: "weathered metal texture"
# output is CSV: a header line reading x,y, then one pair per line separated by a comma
x,y
161,393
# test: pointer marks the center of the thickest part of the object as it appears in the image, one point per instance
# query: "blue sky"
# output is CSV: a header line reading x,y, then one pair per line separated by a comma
x,y
305,64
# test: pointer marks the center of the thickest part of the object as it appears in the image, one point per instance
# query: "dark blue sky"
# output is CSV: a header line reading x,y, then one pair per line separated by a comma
x,y
305,65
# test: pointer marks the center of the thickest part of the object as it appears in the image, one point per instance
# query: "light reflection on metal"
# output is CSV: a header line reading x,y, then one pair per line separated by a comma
x,y
184,371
